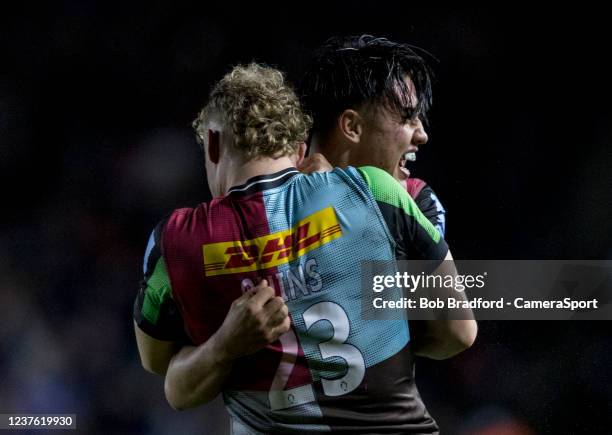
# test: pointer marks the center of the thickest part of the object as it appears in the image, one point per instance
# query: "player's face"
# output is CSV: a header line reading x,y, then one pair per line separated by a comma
x,y
388,136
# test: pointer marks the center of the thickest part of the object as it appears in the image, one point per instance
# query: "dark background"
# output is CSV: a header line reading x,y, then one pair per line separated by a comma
x,y
96,101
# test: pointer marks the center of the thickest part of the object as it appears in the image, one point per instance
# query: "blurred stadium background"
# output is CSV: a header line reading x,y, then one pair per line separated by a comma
x,y
96,101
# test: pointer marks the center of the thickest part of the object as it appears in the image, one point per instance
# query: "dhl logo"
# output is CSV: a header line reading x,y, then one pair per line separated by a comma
x,y
273,249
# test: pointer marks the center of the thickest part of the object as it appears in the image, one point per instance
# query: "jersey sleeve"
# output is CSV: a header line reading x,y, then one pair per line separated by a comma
x,y
416,237
432,208
155,311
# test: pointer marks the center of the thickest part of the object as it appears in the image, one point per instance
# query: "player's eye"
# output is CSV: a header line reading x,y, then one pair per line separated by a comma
x,y
409,114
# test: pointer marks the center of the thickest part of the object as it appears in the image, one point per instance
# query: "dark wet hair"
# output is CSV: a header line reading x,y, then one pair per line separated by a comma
x,y
364,72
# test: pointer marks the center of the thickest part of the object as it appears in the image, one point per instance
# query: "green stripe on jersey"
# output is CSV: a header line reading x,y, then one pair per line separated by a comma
x,y
387,189
157,292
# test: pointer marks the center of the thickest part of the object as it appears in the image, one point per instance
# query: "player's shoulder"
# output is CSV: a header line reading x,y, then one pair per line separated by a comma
x,y
183,220
332,174
385,188
415,186
374,175
182,215
336,177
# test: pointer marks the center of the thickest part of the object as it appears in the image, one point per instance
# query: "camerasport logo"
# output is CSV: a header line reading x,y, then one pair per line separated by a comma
x,y
273,249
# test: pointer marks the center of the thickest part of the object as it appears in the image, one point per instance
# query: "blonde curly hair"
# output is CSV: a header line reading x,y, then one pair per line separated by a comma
x,y
260,108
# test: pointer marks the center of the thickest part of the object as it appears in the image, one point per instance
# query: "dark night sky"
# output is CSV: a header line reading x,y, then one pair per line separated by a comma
x,y
519,144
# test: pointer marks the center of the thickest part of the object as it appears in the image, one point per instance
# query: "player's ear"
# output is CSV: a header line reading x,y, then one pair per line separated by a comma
x,y
214,145
351,125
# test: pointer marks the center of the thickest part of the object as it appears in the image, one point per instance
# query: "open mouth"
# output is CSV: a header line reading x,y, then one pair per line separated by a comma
x,y
410,156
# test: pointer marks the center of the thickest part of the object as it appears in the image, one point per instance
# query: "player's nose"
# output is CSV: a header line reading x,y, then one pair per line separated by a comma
x,y
419,137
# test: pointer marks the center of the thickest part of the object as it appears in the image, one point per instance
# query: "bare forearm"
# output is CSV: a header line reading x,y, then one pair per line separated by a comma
x,y
442,339
451,334
196,375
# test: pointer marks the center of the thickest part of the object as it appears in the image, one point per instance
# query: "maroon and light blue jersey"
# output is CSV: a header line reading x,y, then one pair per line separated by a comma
x,y
308,236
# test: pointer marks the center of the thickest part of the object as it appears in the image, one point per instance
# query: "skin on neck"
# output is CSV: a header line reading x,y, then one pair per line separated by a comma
x,y
336,151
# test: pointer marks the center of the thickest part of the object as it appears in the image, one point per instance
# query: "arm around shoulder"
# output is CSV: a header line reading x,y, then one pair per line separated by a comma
x,y
197,374
443,339
155,355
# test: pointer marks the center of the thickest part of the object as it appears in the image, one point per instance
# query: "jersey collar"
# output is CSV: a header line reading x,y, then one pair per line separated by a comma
x,y
263,182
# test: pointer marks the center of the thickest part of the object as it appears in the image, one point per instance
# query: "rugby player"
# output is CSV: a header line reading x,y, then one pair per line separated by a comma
x,y
368,98
258,287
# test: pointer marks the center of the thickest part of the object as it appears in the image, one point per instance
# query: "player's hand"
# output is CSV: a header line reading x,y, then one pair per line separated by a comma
x,y
255,319
315,163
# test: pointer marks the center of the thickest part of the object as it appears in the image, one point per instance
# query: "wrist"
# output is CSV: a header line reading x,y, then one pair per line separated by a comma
x,y
219,351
